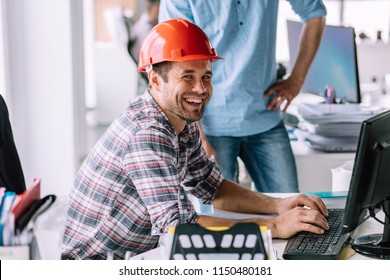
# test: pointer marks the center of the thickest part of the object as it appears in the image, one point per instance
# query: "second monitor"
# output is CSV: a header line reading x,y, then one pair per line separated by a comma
x,y
334,65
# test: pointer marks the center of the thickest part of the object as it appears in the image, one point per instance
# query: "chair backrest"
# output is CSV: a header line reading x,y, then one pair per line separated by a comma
x,y
11,173
142,74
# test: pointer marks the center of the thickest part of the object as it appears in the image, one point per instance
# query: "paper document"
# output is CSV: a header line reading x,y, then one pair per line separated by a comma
x,y
328,144
333,129
336,113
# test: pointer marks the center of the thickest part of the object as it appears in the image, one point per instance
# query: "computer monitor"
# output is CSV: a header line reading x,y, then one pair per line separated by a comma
x,y
369,189
335,64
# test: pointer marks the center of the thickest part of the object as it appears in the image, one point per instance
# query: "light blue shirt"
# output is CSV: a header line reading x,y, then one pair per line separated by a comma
x,y
244,33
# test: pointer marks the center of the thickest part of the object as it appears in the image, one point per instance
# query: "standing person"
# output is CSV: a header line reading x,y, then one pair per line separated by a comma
x,y
147,20
134,183
243,117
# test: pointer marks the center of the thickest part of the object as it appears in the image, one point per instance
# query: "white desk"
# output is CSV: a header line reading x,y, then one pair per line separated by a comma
x,y
370,226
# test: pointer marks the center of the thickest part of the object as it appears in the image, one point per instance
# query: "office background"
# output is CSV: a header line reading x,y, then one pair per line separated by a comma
x,y
65,76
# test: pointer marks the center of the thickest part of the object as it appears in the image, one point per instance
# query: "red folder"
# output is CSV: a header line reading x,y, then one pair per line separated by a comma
x,y
32,194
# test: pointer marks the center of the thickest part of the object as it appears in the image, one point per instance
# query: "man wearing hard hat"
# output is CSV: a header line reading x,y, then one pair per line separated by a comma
x,y
134,184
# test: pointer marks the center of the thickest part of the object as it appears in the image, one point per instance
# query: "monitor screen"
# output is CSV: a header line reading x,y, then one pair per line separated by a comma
x,y
335,64
369,189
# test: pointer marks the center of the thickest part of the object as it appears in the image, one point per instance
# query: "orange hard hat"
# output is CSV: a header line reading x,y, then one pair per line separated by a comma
x,y
175,40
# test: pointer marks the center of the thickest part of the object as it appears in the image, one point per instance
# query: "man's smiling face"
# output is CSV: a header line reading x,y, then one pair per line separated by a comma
x,y
186,90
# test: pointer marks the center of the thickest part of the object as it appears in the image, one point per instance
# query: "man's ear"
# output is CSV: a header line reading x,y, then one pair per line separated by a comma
x,y
154,79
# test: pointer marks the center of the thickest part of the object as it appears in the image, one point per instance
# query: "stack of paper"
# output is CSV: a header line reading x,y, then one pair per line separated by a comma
x,y
336,113
327,144
333,127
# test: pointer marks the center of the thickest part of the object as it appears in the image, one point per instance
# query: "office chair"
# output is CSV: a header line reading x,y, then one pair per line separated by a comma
x,y
11,173
143,75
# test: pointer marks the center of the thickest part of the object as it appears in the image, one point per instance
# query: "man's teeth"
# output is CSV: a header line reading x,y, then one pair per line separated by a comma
x,y
194,100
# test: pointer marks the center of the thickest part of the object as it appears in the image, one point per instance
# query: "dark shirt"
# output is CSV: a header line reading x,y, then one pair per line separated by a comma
x,y
11,173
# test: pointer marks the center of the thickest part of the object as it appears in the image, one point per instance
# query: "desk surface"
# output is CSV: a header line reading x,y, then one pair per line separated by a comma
x,y
370,226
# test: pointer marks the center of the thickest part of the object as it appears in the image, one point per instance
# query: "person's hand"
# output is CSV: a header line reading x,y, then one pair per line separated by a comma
x,y
302,200
210,152
283,91
299,213
296,220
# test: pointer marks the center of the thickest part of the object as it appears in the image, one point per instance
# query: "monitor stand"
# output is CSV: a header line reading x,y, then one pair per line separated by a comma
x,y
376,245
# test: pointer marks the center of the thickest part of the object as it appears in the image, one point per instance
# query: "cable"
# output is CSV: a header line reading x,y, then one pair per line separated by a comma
x,y
386,211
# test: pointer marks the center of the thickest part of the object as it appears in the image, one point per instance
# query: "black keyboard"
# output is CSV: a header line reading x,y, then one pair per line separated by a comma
x,y
311,246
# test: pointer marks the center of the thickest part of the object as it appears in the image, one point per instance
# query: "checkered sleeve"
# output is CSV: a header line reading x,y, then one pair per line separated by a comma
x,y
203,175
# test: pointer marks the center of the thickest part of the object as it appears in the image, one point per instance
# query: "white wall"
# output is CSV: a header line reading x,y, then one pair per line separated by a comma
x,y
374,61
89,51
45,87
2,54
116,81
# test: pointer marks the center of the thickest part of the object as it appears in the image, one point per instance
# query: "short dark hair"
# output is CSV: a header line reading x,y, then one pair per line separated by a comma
x,y
151,3
162,69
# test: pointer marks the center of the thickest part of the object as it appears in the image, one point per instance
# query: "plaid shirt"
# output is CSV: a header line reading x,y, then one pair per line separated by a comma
x,y
133,185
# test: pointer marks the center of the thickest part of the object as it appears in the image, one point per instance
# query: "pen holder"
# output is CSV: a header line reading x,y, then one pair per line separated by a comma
x,y
22,252
330,95
15,252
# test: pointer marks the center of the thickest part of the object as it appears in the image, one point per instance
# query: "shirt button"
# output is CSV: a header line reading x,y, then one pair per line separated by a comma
x,y
238,2
182,197
241,23
154,231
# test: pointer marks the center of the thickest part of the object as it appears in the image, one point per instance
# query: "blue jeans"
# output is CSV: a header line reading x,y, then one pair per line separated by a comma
x,y
267,156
